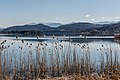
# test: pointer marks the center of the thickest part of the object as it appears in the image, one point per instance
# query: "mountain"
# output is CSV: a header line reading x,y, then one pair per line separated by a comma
x,y
113,27
41,27
81,26
105,22
33,27
1,29
53,24
106,29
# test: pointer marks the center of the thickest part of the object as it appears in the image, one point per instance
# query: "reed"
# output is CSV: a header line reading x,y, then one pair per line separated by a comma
x,y
64,60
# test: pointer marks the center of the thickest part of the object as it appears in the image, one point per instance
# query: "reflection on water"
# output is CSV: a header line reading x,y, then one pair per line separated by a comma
x,y
16,53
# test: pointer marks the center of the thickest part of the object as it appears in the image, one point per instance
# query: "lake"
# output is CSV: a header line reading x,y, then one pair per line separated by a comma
x,y
56,51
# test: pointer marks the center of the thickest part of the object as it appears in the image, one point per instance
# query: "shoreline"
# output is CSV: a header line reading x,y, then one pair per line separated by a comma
x,y
93,76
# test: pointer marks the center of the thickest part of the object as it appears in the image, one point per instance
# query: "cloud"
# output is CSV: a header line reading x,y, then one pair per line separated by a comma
x,y
118,17
109,17
56,18
103,17
87,15
93,19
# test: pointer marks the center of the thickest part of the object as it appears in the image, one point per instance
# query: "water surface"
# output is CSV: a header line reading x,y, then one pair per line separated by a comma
x,y
29,50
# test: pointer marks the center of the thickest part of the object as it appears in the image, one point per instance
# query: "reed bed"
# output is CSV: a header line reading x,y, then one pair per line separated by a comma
x,y
63,60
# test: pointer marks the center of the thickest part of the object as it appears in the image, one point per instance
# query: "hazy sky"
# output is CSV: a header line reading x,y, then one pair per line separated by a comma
x,y
16,12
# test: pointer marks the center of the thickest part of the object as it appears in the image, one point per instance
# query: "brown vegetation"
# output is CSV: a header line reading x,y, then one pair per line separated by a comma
x,y
64,62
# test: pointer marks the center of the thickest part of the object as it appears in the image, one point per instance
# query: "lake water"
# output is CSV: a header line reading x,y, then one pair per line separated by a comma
x,y
27,50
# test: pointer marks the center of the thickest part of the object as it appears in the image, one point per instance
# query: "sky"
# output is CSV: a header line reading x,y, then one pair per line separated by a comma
x,y
19,12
